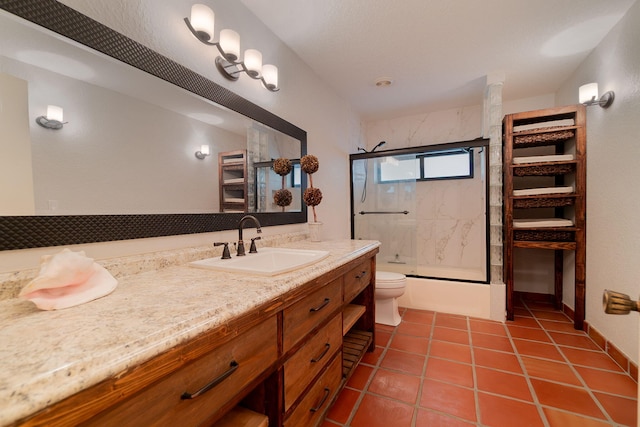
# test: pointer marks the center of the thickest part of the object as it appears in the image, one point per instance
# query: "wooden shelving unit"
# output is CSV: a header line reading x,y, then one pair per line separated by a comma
x,y
549,148
232,178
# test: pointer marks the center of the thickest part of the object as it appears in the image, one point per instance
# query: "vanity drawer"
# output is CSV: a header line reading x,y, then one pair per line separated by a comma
x,y
234,364
306,314
302,367
310,410
357,279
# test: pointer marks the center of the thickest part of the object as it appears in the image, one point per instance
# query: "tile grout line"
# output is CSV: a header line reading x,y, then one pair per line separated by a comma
x,y
573,369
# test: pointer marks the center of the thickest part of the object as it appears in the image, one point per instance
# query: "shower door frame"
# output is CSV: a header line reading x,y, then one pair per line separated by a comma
x,y
474,143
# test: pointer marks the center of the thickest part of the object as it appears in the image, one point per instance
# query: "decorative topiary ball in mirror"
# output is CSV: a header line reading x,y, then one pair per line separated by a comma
x,y
283,197
312,196
309,164
282,166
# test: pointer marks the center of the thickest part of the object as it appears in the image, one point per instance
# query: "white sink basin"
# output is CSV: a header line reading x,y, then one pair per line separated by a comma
x,y
267,262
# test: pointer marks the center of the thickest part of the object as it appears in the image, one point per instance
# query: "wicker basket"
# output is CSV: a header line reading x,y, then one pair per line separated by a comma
x,y
546,138
543,202
544,235
545,170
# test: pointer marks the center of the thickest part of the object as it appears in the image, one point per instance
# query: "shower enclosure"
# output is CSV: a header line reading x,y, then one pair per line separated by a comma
x,y
427,206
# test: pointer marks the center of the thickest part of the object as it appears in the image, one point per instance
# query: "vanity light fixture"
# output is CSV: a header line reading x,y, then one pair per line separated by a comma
x,y
203,152
228,62
53,119
588,95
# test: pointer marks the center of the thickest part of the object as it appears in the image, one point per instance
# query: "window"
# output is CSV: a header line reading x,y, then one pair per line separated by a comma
x,y
447,164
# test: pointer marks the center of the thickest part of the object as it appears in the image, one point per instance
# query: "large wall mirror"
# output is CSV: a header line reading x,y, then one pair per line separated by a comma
x,y
124,165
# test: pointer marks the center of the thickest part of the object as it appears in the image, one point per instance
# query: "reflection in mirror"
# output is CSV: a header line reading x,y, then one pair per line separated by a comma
x,y
155,185
127,135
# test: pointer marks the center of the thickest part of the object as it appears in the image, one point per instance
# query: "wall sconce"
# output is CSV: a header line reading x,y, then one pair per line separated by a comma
x,y
53,119
588,95
228,63
204,152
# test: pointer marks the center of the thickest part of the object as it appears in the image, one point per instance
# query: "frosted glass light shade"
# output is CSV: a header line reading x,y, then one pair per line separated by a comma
x,y
253,62
204,149
588,93
230,44
54,113
202,20
270,76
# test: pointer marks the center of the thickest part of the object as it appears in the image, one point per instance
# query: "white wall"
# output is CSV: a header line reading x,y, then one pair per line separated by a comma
x,y
332,126
613,175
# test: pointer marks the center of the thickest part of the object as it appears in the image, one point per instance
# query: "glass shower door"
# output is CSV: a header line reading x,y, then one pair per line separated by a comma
x,y
384,208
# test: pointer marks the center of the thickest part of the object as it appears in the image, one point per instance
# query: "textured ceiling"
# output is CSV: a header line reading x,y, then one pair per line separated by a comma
x,y
438,52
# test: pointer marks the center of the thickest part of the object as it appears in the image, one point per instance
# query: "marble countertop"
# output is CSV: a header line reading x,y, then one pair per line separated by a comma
x,y
49,355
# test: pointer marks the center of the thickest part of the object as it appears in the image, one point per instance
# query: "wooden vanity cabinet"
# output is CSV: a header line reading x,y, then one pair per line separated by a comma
x,y
288,359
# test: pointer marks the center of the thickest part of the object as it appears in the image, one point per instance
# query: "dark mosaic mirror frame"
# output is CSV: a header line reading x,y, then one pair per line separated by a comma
x,y
21,232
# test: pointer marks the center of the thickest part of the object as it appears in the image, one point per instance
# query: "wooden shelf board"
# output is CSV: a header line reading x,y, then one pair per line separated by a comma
x,y
570,246
350,316
354,346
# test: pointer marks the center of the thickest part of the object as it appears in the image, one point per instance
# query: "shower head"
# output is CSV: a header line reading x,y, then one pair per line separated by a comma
x,y
380,144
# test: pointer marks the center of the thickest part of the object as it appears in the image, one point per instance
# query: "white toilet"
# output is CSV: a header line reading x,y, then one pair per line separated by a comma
x,y
389,286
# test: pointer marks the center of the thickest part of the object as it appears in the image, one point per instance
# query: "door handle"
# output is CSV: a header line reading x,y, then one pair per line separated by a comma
x,y
618,303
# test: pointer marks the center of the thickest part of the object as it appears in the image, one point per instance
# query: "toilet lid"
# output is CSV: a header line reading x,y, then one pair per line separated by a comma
x,y
389,280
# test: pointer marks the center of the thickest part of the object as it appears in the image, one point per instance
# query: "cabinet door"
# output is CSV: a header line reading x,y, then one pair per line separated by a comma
x,y
306,314
303,366
317,400
219,377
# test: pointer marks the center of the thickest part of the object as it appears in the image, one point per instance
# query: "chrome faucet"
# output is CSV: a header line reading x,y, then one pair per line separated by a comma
x,y
240,226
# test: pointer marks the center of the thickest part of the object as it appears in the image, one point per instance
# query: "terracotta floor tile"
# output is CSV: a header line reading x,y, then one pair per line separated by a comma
x,y
375,411
522,312
537,349
610,382
449,321
434,419
360,377
327,423
410,344
526,322
591,358
404,362
552,315
341,409
549,370
496,360
492,342
382,338
384,328
448,371
620,409
416,329
451,351
557,418
395,385
553,325
418,316
498,411
449,398
485,327
503,383
569,398
451,335
528,333
539,306
372,358
572,340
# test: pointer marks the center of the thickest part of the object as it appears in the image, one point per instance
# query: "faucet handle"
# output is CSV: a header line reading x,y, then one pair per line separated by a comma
x,y
253,249
225,252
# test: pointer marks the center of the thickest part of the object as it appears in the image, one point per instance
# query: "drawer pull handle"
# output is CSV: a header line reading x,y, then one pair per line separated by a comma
x,y
232,367
362,274
327,346
324,398
321,306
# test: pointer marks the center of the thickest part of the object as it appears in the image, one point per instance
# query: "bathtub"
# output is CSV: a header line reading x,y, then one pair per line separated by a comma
x,y
469,299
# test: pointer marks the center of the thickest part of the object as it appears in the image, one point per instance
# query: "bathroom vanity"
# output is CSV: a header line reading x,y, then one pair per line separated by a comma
x,y
184,346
